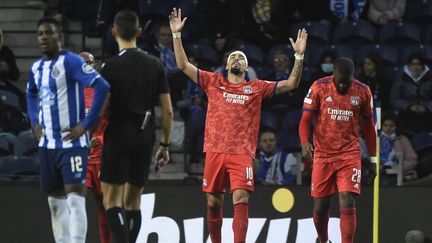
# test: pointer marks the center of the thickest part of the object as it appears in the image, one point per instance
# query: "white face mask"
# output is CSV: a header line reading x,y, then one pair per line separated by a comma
x,y
327,67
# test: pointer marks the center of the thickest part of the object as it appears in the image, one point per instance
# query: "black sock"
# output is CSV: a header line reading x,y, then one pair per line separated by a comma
x,y
133,218
117,223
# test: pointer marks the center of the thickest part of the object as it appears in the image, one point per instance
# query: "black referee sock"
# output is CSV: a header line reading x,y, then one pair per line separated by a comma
x,y
133,218
117,223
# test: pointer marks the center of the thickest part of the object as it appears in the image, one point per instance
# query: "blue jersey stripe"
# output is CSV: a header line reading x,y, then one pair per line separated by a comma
x,y
71,92
39,84
54,108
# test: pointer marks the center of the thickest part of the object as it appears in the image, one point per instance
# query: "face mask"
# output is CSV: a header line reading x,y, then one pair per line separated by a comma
x,y
327,67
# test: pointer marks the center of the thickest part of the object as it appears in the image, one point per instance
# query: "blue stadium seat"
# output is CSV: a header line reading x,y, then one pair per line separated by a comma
x,y
337,50
207,56
26,144
263,72
318,33
18,168
427,34
418,11
269,120
400,34
422,141
188,7
425,50
254,54
9,98
4,147
389,54
290,139
155,9
354,33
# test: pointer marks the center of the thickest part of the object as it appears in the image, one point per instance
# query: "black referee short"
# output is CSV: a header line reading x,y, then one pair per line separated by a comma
x,y
127,152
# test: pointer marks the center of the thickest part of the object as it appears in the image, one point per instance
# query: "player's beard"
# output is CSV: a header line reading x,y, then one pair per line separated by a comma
x,y
235,70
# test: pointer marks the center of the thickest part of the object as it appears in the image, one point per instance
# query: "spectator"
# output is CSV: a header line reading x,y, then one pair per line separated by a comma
x,y
108,8
193,112
8,68
411,95
275,166
393,147
382,12
415,236
162,48
325,66
373,75
266,23
222,21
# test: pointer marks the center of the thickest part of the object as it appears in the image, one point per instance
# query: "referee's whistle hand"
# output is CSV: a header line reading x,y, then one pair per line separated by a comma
x,y
74,133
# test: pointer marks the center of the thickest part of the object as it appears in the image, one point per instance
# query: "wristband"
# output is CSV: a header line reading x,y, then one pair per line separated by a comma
x,y
164,145
373,160
299,56
176,35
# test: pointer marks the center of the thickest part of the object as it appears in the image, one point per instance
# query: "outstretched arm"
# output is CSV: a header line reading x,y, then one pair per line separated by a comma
x,y
293,80
176,24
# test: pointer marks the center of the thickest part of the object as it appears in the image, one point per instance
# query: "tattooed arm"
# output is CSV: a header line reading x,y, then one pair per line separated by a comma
x,y
293,81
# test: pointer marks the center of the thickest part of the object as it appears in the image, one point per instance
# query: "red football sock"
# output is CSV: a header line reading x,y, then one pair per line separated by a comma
x,y
348,224
104,231
214,223
240,222
321,223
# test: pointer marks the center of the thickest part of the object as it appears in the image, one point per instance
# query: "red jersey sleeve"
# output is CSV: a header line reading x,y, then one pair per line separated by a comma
x,y
268,88
205,79
366,109
312,100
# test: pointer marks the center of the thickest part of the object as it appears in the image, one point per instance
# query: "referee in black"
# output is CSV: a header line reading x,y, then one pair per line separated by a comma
x,y
137,82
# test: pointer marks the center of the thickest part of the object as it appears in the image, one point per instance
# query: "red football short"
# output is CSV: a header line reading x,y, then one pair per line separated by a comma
x,y
341,176
92,178
218,167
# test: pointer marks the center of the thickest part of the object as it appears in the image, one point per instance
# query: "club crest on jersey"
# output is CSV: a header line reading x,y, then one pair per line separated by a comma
x,y
247,89
55,72
355,100
87,68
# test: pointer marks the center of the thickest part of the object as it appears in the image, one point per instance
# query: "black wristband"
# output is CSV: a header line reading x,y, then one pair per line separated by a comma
x,y
164,145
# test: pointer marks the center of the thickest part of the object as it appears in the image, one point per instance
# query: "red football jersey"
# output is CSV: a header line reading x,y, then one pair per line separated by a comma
x,y
233,113
337,129
95,153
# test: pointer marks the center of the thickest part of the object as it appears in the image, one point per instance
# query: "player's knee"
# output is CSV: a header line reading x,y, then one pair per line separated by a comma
x,y
132,203
240,196
346,200
214,200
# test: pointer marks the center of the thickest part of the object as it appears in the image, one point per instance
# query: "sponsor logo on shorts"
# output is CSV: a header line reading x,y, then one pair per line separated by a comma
x,y
204,182
249,183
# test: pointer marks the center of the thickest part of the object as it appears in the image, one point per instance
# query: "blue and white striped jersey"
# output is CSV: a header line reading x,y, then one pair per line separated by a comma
x,y
59,85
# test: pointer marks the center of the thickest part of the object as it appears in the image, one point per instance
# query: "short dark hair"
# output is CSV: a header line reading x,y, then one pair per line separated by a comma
x,y
50,20
126,23
344,66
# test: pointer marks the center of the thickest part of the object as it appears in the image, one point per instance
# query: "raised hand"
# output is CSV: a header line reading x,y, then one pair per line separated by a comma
x,y
176,22
299,45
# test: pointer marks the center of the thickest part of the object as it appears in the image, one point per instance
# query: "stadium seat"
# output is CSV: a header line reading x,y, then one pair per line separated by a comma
x,y
18,168
318,33
26,144
354,33
337,50
254,54
9,98
155,9
425,50
427,35
422,141
418,11
290,123
388,54
207,56
269,120
4,147
400,34
188,7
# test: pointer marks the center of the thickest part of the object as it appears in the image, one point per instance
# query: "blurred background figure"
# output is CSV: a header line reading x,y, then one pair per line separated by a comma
x,y
381,12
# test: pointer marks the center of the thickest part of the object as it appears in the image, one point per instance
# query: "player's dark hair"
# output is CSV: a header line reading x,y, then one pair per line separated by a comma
x,y
126,23
50,20
344,66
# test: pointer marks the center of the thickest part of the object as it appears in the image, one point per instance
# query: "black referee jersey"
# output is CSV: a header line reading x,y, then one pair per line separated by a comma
x,y
136,80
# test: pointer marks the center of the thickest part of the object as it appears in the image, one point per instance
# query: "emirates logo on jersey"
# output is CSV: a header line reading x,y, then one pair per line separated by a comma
x,y
247,89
